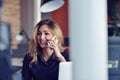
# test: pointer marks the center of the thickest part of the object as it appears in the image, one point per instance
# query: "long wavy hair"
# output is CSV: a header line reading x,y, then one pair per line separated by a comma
x,y
34,47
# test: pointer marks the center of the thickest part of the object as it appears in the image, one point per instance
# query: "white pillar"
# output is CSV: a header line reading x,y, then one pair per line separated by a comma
x,y
88,38
36,11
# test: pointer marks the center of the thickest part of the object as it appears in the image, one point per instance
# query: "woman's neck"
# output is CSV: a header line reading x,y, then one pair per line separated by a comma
x,y
47,52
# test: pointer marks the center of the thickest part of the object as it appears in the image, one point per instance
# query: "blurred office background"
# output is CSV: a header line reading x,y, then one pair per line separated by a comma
x,y
114,39
19,17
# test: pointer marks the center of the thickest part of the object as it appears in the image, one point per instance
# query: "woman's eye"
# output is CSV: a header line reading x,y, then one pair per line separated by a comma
x,y
38,33
46,33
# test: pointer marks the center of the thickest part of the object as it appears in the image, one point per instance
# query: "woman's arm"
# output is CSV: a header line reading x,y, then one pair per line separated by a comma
x,y
63,56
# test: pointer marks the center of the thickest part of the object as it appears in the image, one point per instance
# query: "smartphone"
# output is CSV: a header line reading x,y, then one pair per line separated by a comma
x,y
53,38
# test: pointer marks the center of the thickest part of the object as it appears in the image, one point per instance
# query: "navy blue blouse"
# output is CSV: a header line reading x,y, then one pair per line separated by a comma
x,y
42,70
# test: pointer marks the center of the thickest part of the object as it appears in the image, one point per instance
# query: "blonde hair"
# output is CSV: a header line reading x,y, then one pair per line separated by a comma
x,y
34,47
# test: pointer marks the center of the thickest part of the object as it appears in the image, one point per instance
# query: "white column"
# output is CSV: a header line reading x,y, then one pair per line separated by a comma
x,y
88,39
36,11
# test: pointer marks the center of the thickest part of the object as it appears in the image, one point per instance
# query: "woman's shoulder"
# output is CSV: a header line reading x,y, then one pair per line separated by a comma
x,y
27,55
27,58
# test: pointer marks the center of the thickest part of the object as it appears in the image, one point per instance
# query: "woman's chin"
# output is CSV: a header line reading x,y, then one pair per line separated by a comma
x,y
43,46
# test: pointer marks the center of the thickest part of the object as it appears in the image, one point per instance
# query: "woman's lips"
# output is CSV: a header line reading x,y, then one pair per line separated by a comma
x,y
43,42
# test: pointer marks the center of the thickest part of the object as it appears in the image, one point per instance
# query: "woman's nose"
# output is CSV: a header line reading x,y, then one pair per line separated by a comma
x,y
42,37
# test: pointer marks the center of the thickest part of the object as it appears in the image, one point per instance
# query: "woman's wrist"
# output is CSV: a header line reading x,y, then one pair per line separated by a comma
x,y
59,55
61,58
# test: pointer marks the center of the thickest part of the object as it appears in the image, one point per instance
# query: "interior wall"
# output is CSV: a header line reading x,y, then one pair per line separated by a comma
x,y
11,15
30,15
61,16
27,16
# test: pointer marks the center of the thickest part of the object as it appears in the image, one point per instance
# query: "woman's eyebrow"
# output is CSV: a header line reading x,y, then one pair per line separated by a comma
x,y
43,31
46,31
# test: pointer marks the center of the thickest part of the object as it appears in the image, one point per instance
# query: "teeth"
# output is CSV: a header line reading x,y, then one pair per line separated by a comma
x,y
43,41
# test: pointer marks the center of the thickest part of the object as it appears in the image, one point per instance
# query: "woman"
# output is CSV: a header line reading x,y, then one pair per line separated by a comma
x,y
45,52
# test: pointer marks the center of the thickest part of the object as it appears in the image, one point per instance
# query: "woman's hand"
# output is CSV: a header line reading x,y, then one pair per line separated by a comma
x,y
53,44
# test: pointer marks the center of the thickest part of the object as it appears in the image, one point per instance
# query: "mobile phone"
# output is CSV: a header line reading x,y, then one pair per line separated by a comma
x,y
53,38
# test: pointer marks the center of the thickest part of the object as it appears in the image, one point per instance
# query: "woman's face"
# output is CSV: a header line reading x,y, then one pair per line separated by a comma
x,y
43,35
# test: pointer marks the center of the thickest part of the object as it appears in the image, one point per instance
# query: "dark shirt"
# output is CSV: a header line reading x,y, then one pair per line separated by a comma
x,y
42,70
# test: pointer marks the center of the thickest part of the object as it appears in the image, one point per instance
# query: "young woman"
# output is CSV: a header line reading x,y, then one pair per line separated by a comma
x,y
45,52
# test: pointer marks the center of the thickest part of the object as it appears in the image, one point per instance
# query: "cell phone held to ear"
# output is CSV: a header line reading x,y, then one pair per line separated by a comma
x,y
53,38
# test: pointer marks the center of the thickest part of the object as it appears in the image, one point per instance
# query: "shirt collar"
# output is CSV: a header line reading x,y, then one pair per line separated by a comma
x,y
53,57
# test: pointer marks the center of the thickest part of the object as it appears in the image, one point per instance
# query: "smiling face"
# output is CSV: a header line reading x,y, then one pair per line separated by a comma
x,y
43,35
43,32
